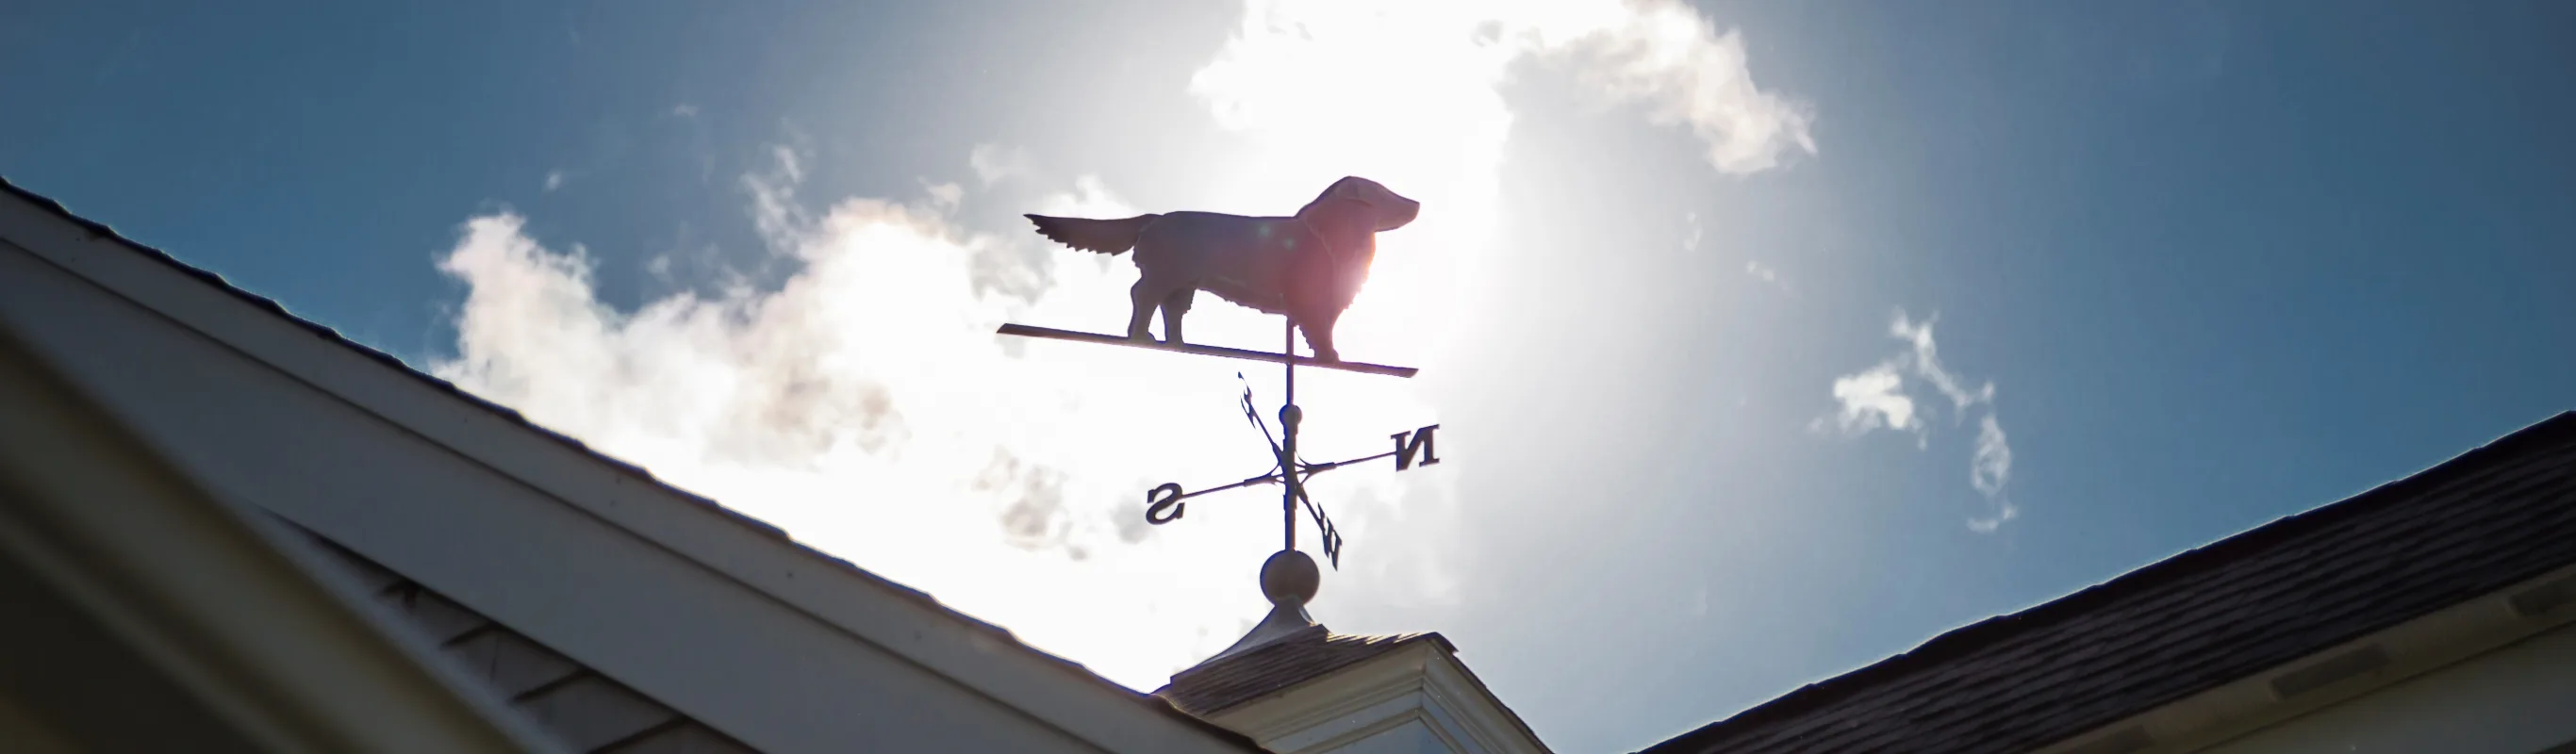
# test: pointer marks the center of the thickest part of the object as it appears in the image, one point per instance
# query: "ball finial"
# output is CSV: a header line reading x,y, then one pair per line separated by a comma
x,y
1289,577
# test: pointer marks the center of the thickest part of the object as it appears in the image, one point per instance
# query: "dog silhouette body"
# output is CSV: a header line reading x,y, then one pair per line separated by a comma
x,y
1308,266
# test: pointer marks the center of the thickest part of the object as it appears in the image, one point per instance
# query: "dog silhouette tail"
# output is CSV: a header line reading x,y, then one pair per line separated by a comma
x,y
1104,236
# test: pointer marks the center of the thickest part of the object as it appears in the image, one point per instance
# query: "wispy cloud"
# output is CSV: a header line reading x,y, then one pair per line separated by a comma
x,y
774,209
1926,360
1877,398
685,110
1988,470
554,180
994,163
1769,276
1693,234
948,195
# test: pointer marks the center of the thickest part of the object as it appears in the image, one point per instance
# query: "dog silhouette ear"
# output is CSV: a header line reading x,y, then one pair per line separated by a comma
x,y
1329,193
1340,219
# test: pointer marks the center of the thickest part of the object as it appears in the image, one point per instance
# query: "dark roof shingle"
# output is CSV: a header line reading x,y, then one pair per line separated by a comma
x,y
2483,521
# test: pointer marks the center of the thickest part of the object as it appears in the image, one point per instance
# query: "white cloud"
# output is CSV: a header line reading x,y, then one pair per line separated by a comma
x,y
685,110
1876,398
1666,55
554,180
866,406
1872,399
1307,64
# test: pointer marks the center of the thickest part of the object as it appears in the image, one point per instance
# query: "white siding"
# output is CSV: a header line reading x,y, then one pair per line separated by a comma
x,y
2516,700
1413,737
576,706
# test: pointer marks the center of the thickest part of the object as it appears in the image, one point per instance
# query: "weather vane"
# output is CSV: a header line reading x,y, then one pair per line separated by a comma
x,y
1307,266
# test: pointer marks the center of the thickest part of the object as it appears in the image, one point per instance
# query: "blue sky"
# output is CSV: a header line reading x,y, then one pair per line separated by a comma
x,y
2218,263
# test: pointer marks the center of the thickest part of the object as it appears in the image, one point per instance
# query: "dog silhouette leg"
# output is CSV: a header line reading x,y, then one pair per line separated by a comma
x,y
1175,305
1144,297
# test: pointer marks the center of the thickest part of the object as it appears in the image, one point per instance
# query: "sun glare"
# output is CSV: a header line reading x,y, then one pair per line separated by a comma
x,y
867,406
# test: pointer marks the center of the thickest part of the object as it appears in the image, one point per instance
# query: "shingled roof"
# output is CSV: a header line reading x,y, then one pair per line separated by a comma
x,y
1311,653
2486,520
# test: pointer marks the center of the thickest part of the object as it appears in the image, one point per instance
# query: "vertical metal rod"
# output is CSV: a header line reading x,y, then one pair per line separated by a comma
x,y
1289,417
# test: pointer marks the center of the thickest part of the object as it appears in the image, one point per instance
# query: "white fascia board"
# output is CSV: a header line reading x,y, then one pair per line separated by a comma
x,y
486,459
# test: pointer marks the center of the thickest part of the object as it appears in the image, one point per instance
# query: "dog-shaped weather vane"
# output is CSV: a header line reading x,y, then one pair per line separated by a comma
x,y
1308,267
